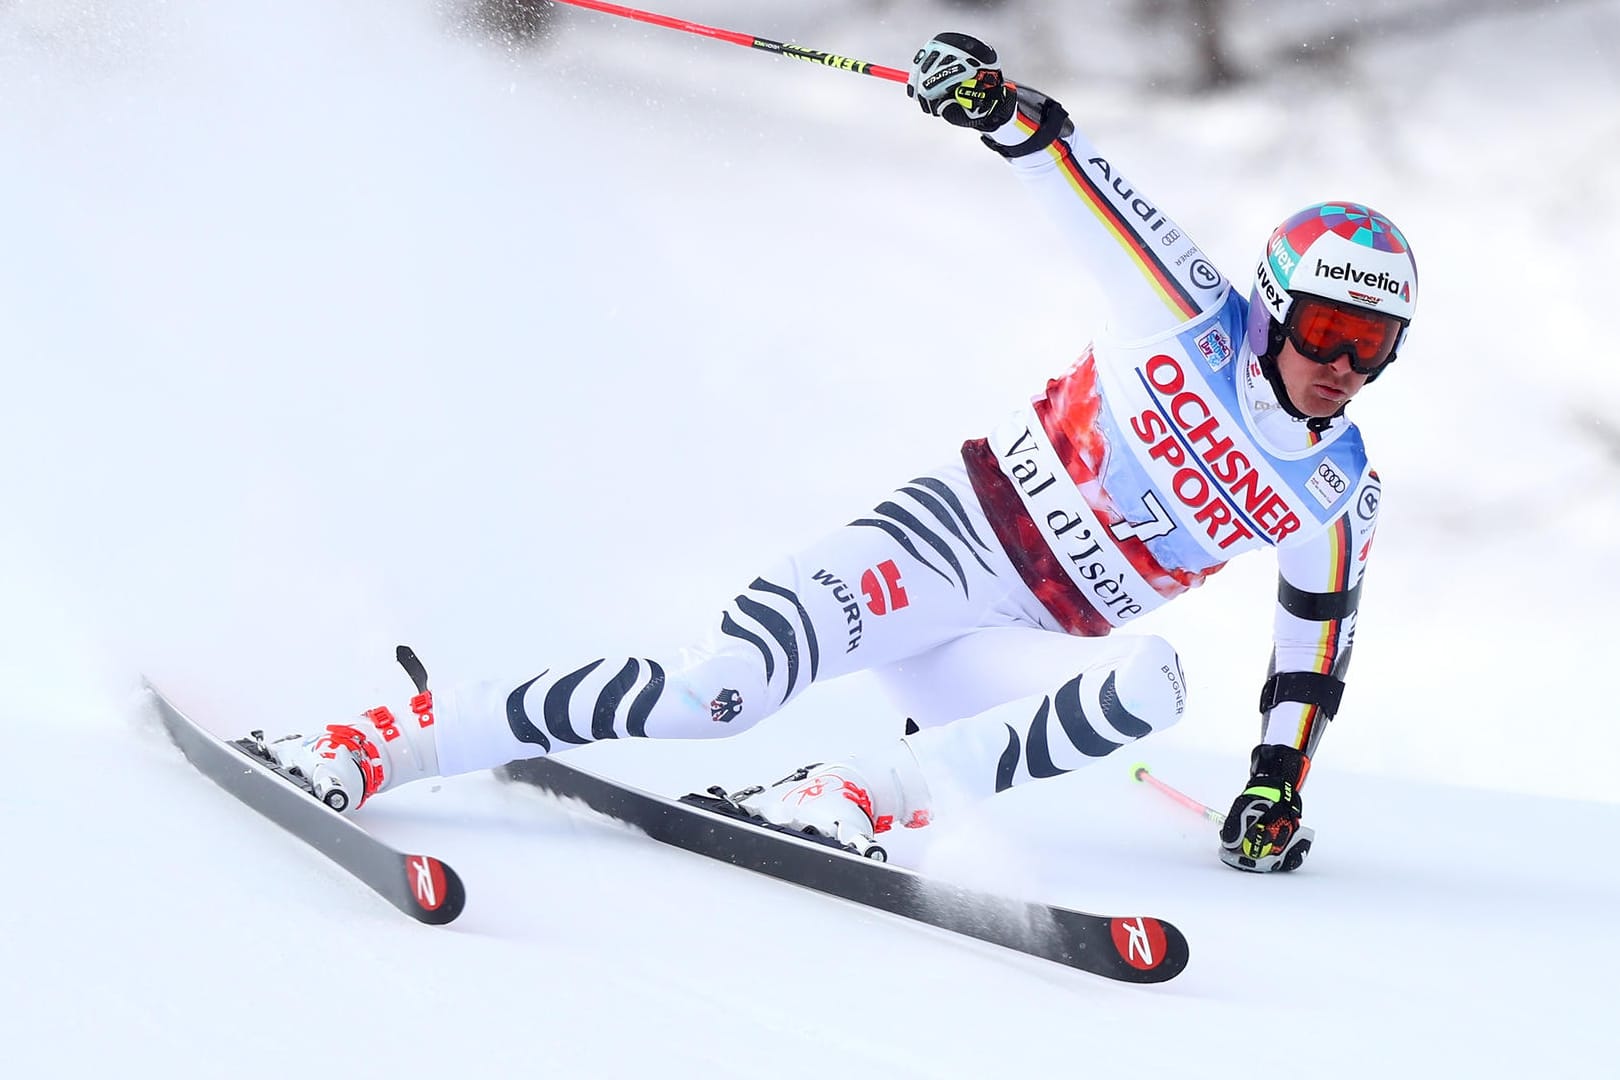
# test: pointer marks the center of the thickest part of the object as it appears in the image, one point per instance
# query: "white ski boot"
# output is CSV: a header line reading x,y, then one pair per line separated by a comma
x,y
348,763
848,803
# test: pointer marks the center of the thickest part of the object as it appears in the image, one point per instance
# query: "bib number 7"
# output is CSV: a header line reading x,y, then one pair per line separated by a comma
x,y
1159,524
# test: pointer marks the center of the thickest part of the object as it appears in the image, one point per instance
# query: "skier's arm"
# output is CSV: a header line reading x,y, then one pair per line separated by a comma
x,y
1152,273
1154,276
1318,593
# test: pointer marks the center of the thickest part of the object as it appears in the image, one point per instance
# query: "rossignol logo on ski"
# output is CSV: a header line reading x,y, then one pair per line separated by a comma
x,y
427,881
1140,941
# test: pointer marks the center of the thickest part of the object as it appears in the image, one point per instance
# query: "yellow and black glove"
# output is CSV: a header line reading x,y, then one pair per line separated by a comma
x,y
1262,832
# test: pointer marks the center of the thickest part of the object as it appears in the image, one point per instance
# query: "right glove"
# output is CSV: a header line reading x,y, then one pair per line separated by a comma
x,y
954,77
1262,832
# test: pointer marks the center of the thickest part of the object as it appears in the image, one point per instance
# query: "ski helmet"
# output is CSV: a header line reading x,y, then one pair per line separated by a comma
x,y
1341,252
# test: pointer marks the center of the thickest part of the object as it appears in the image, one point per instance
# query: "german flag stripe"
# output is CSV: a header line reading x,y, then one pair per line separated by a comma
x,y
1328,648
1175,295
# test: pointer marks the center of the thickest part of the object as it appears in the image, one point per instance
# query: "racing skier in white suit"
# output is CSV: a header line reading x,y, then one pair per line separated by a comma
x,y
1200,425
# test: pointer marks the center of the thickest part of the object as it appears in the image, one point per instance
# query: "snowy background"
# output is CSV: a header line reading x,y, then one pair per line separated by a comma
x,y
326,326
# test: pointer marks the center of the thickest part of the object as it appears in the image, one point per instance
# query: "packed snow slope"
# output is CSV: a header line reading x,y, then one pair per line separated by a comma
x,y
329,326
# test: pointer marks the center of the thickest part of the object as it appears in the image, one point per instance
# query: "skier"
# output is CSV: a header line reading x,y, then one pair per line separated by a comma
x,y
1200,425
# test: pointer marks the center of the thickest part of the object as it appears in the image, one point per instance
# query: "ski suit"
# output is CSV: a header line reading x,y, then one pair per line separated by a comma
x,y
1159,455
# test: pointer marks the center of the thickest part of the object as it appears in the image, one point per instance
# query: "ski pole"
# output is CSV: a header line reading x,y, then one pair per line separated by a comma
x,y
797,52
1143,776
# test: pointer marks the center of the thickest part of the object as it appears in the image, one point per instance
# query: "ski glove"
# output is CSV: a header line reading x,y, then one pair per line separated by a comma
x,y
954,76
1262,830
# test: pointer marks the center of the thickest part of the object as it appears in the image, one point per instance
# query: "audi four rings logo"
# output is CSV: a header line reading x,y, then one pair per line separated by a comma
x,y
1328,473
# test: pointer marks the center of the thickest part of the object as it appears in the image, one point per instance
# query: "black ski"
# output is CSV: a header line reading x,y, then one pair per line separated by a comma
x,y
1136,948
419,885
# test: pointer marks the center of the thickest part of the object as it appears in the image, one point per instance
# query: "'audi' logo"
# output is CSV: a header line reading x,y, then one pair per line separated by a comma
x,y
1331,475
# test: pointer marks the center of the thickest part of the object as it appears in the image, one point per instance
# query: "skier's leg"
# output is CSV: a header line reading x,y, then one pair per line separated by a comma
x,y
918,570
1116,690
970,674
1123,688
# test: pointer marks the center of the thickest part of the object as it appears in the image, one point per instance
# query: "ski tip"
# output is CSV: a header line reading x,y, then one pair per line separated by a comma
x,y
436,892
1150,950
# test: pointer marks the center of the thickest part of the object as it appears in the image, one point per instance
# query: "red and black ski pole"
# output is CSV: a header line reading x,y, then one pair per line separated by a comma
x,y
797,52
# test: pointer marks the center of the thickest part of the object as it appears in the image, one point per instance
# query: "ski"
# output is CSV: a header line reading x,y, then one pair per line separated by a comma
x,y
419,885
1136,949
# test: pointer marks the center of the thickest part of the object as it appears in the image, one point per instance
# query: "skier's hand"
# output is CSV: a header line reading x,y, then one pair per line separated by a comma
x,y
1262,830
955,77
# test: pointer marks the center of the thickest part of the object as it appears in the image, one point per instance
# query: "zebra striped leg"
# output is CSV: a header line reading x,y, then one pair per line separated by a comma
x,y
764,652
917,572
1137,690
489,724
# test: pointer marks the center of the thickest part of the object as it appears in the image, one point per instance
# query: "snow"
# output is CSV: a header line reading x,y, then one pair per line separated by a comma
x,y
327,327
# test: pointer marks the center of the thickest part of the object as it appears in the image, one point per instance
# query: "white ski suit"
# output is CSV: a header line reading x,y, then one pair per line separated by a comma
x,y
1130,478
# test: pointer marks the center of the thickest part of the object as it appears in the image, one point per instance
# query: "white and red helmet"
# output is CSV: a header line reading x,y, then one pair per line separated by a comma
x,y
1342,252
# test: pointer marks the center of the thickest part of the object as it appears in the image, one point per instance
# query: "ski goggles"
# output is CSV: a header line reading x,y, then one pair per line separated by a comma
x,y
1323,330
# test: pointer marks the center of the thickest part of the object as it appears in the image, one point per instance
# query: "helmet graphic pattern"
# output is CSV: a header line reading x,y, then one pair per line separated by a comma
x,y
1354,222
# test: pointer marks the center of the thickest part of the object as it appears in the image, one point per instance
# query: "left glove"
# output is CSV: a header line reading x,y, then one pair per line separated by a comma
x,y
955,77
1262,832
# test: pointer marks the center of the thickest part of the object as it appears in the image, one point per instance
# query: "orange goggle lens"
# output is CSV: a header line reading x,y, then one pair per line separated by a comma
x,y
1323,331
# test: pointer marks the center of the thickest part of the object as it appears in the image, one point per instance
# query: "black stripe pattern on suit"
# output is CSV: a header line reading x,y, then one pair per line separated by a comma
x,y
758,618
640,681
1032,747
